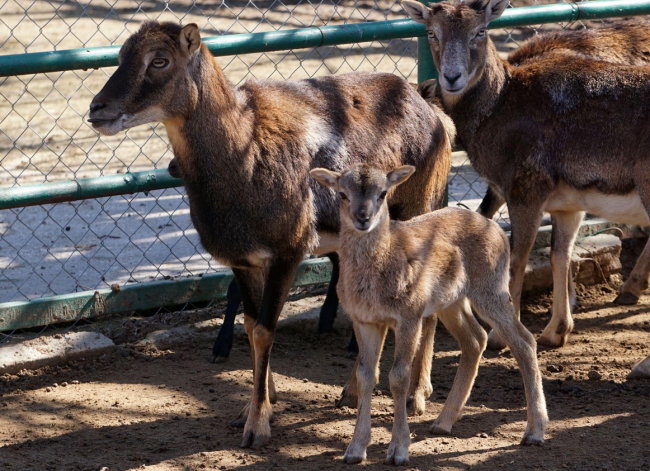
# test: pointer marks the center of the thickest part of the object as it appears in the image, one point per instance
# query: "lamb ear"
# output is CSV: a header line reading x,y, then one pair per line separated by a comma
x,y
399,175
326,177
494,9
418,12
427,89
190,39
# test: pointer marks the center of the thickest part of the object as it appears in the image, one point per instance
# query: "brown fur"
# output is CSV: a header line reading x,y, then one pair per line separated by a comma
x,y
395,273
244,155
565,133
623,42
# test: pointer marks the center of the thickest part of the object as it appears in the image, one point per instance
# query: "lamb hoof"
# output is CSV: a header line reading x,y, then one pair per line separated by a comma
x,y
552,340
254,440
626,299
436,429
395,461
530,440
354,454
347,399
415,406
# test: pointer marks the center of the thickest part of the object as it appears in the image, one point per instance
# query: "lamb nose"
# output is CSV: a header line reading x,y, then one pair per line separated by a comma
x,y
453,78
363,219
97,106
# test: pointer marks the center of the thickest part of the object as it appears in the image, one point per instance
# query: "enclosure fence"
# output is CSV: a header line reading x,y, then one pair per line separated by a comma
x,y
93,225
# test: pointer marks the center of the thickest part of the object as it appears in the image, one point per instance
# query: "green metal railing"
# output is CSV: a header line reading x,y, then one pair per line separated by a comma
x,y
154,294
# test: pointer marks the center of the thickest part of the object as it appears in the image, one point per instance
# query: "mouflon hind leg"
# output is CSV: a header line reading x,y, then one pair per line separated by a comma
x,y
331,304
223,343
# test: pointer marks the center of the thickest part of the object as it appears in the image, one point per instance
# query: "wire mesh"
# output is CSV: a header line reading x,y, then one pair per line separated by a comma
x,y
61,248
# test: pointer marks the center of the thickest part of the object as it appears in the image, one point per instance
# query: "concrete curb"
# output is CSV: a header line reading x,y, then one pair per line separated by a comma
x,y
52,350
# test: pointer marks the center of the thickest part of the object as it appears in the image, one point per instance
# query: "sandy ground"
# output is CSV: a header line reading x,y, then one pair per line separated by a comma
x,y
144,408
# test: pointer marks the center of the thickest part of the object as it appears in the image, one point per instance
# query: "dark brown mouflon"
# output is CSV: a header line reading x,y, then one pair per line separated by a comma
x,y
561,133
245,154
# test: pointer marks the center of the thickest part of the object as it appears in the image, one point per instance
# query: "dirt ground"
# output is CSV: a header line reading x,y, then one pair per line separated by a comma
x,y
143,408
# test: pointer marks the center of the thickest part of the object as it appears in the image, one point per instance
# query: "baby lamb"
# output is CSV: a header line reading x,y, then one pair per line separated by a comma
x,y
395,274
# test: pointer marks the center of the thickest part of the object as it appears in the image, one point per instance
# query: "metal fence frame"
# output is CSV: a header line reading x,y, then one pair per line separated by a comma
x,y
74,306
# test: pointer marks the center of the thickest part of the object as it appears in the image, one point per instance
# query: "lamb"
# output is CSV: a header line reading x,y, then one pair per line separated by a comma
x,y
397,273
563,134
244,155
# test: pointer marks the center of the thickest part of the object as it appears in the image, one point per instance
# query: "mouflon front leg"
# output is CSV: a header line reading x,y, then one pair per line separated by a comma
x,y
278,280
371,339
407,335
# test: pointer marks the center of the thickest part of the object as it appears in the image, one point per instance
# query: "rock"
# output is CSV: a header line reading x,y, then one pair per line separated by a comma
x,y
555,368
594,375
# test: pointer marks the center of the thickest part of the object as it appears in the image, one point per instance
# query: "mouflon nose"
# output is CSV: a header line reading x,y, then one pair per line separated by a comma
x,y
452,78
363,219
97,106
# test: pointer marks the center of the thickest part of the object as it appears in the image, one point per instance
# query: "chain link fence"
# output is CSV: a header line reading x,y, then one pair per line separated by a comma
x,y
85,245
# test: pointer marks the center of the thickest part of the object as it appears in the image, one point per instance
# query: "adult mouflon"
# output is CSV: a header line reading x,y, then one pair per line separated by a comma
x,y
245,153
565,135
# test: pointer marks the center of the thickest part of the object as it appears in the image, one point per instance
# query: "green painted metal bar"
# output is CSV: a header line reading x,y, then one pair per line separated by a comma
x,y
93,58
427,70
85,188
150,295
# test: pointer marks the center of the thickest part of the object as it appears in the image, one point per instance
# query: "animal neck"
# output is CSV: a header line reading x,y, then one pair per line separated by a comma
x,y
479,101
368,248
215,133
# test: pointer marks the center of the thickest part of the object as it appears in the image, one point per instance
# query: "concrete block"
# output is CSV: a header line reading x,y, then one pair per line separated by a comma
x,y
590,256
52,350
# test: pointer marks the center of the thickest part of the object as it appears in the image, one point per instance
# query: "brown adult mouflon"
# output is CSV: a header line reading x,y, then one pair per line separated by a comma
x,y
245,153
621,42
394,274
565,134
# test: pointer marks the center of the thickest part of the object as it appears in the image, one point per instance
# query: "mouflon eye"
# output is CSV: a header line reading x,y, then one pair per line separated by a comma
x,y
342,195
159,63
383,195
480,34
431,35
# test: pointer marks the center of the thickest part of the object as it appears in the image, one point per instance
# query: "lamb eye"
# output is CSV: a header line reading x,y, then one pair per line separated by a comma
x,y
480,34
159,63
343,197
382,196
431,35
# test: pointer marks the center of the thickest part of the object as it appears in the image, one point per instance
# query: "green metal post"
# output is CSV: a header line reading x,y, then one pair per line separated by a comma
x,y
427,70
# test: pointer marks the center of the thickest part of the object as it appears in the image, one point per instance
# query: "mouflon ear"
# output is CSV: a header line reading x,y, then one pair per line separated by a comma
x,y
427,89
399,175
418,12
494,9
326,177
190,39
